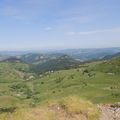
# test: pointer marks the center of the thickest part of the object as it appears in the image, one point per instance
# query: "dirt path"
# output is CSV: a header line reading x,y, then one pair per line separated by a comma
x,y
110,112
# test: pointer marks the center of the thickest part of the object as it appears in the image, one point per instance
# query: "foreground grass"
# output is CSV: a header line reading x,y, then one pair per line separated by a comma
x,y
66,108
73,104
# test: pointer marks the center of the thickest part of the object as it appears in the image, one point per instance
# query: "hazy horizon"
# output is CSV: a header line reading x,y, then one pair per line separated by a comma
x,y
54,50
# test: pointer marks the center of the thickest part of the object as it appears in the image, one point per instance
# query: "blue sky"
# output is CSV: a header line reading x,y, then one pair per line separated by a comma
x,y
58,24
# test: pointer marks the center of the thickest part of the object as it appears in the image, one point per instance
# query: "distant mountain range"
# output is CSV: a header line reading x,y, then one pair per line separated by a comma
x,y
62,60
90,54
57,63
78,54
38,58
59,60
12,59
41,63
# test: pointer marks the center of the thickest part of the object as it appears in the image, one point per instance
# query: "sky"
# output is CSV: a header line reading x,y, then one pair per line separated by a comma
x,y
59,24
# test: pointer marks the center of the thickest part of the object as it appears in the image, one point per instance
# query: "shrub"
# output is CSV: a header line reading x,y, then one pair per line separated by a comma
x,y
22,88
7,109
53,91
42,82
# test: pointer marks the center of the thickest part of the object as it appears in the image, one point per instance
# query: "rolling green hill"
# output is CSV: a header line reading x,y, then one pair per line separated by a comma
x,y
13,71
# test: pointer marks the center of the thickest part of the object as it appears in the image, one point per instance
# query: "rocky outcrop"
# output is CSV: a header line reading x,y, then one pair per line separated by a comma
x,y
110,111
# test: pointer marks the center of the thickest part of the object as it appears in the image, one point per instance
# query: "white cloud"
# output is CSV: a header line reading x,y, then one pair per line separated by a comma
x,y
87,33
94,32
48,28
71,33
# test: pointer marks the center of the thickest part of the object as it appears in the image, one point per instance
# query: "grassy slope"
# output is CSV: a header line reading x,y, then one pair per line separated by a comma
x,y
96,88
94,85
10,74
110,66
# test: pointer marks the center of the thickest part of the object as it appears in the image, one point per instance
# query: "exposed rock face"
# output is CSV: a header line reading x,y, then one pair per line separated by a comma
x,y
110,112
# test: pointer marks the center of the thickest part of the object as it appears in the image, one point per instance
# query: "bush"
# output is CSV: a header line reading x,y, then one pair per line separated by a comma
x,y
42,82
23,89
7,109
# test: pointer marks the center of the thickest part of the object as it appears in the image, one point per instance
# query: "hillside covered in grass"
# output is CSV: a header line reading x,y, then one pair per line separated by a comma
x,y
23,91
13,71
110,66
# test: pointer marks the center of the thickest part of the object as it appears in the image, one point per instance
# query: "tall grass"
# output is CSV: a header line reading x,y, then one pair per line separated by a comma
x,y
73,104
